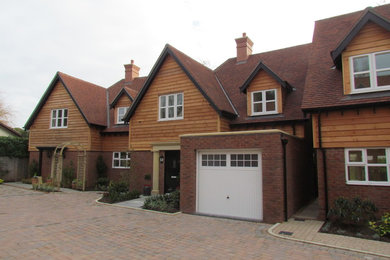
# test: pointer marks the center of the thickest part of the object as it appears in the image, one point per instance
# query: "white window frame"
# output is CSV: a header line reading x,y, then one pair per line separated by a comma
x,y
372,71
175,106
365,164
228,159
118,117
116,156
264,102
62,118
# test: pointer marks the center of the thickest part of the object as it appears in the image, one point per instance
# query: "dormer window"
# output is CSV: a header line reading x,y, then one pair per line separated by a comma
x,y
59,118
121,111
264,102
370,72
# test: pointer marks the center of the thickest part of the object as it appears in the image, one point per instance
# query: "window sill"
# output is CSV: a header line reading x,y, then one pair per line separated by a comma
x,y
368,183
170,119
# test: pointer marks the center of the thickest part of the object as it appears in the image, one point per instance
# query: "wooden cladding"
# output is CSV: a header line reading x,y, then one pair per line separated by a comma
x,y
199,116
115,142
124,101
372,38
368,127
77,130
263,81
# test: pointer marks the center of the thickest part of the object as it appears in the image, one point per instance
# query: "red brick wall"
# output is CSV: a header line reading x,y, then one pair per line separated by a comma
x,y
272,162
142,164
337,186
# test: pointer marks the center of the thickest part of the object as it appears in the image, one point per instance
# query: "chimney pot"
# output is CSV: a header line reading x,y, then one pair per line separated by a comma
x,y
244,47
131,71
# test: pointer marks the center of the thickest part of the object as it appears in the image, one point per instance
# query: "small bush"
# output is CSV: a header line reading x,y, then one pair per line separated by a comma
x,y
26,181
102,184
169,202
382,227
352,212
46,187
1,181
33,168
119,191
68,174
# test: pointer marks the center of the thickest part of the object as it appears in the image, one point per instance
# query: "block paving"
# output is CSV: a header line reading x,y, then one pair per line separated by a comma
x,y
70,225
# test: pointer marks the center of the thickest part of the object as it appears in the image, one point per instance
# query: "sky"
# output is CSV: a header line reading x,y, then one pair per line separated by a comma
x,y
92,39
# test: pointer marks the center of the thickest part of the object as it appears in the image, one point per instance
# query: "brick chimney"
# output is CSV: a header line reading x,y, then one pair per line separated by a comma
x,y
244,47
131,71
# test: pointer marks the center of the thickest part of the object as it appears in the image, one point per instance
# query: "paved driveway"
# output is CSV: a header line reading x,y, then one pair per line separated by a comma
x,y
35,225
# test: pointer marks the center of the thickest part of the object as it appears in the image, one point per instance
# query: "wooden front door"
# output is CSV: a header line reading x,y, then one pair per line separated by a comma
x,y
172,171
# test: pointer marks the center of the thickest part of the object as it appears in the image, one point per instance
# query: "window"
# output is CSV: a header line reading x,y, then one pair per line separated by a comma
x,y
370,72
121,111
121,160
216,160
171,107
244,160
368,166
264,102
59,118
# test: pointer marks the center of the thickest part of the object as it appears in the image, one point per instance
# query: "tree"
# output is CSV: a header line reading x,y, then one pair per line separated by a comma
x,y
5,113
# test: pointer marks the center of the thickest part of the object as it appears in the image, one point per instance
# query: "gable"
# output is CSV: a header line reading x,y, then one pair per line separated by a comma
x,y
263,81
372,38
198,115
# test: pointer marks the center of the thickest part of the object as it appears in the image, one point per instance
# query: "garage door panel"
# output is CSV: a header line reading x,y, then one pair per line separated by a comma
x,y
230,191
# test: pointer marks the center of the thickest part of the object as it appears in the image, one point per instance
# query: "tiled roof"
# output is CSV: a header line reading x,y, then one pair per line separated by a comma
x,y
9,129
324,83
288,64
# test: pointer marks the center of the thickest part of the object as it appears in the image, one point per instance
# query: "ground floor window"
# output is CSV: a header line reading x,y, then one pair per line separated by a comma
x,y
368,166
121,160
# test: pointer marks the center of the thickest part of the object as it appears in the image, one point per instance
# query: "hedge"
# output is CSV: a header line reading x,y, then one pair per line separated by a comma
x,y
13,147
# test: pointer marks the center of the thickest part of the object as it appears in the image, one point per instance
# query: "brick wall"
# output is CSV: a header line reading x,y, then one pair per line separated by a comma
x,y
337,186
142,164
272,170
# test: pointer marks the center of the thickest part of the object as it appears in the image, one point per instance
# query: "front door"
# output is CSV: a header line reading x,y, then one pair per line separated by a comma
x,y
172,171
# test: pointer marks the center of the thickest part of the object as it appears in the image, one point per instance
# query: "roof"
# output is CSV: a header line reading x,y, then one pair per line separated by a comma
x,y
203,78
9,129
91,106
324,83
287,66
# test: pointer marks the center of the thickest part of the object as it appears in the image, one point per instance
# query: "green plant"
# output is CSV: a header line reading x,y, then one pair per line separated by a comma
x,y
68,174
381,227
102,184
169,202
26,181
1,181
33,168
101,167
352,212
119,191
13,146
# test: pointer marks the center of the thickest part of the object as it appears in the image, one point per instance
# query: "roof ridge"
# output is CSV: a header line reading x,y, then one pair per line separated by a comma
x,y
67,75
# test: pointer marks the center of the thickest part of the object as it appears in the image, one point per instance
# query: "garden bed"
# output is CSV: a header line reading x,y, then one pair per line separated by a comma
x,y
353,231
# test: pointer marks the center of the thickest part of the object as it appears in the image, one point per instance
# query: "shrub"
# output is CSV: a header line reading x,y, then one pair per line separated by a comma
x,y
382,227
119,191
13,146
1,181
169,202
26,181
101,167
102,184
33,168
68,174
352,212
46,187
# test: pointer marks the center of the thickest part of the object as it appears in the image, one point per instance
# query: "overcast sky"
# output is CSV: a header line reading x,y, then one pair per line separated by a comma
x,y
92,39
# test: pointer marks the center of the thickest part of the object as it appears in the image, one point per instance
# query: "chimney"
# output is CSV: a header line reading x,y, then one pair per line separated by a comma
x,y
244,47
131,71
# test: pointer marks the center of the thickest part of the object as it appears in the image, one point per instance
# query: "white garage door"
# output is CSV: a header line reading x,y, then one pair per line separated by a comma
x,y
229,183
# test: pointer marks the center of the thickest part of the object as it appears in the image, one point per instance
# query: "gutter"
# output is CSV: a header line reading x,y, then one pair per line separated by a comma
x,y
324,166
285,206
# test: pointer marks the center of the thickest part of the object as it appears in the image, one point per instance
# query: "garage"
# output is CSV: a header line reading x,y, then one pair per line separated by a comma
x,y
229,183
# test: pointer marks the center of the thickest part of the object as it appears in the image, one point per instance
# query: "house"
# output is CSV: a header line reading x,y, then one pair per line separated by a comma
x,y
257,138
235,139
347,93
87,118
6,130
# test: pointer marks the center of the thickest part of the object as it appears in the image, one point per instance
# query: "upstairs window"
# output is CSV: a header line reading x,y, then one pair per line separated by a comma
x,y
121,111
59,118
264,102
171,107
370,72
367,166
